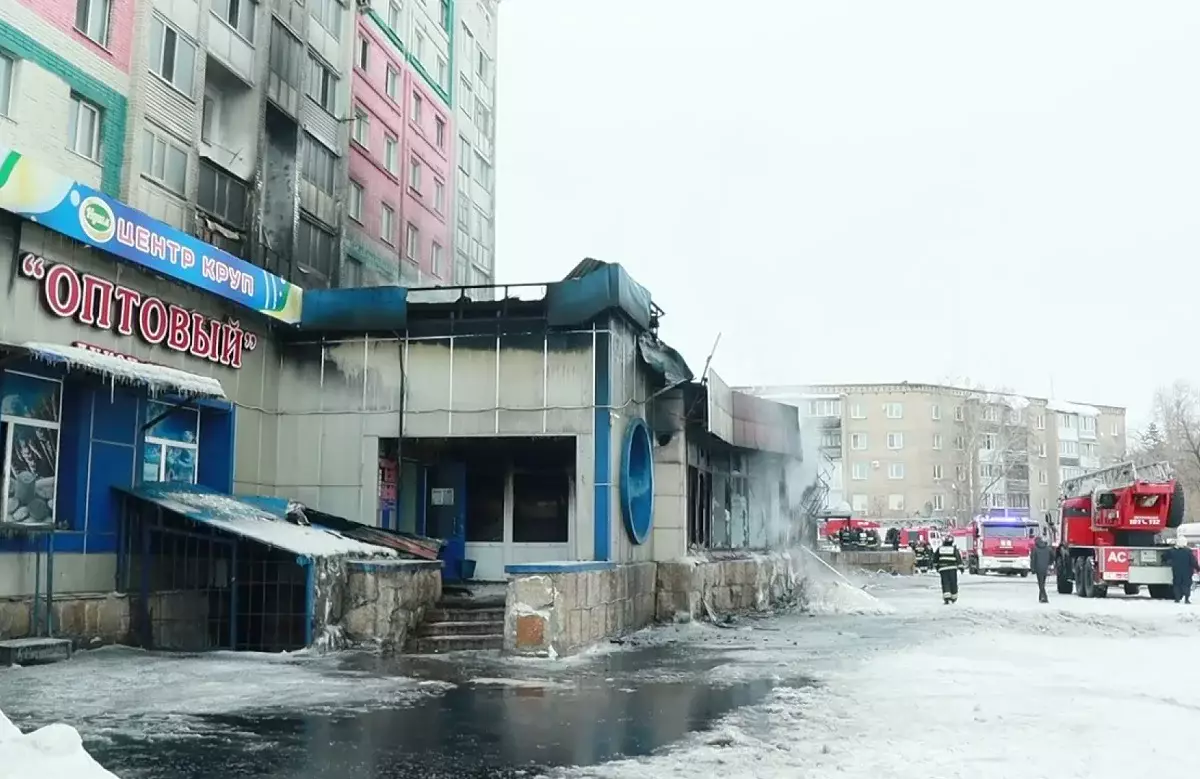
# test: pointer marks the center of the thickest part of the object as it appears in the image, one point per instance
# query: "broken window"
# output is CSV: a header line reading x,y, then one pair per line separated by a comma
x,y
541,507
485,504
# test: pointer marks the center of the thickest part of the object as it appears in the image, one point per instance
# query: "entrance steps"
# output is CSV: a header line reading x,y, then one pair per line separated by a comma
x,y
461,623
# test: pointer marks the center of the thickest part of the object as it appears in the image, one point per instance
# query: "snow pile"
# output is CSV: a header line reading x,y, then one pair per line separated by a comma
x,y
53,752
833,596
158,378
1067,407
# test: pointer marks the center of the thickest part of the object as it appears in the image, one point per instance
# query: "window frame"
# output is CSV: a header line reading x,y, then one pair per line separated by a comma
x,y
223,183
387,224
895,468
895,441
78,105
325,81
8,80
362,54
9,421
169,443
106,26
414,174
391,153
240,6
158,61
354,201
412,243
153,136
391,81
439,196
360,129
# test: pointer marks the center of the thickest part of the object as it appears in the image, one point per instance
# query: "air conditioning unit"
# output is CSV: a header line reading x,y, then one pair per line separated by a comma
x,y
875,464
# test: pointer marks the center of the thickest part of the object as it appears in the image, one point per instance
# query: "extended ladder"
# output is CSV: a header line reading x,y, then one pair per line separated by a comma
x,y
1115,477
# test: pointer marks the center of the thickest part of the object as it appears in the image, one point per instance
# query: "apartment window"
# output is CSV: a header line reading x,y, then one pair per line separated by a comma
x,y
164,161
91,19
1018,500
172,56
893,410
390,154
328,14
7,70
824,408
1041,450
209,118
960,443
1087,424
858,471
83,128
986,470
1014,416
439,132
859,503
435,259
935,412
960,473
1043,477
937,440
419,46
895,470
483,118
222,195
238,14
286,56
1067,421
171,446
483,172
464,155
483,66
831,440
417,105
322,85
320,166
989,414
937,473
443,72
393,16
895,440
391,82
414,174
895,502
315,251
439,196
1088,450
858,441
412,243
362,128
387,224
999,501
1040,421
1042,504
939,503
1116,429
446,16
364,53
1068,448
352,273
354,204
989,441
959,416
464,88
856,411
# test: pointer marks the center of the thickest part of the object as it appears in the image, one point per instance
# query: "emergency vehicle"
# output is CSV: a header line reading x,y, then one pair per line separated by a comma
x,y
1001,545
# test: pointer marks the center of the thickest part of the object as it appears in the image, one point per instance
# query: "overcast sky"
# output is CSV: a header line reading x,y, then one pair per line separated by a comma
x,y
871,191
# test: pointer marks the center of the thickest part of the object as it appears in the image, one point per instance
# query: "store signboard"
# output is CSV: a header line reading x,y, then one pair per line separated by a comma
x,y
89,216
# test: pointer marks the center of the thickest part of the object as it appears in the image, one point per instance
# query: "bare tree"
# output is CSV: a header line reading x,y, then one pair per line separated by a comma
x,y
1175,433
991,453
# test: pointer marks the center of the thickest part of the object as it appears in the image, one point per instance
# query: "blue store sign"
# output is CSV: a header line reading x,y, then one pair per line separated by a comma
x,y
91,217
637,481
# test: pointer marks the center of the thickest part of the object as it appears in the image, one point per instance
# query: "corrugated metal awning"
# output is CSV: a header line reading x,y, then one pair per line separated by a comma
x,y
158,379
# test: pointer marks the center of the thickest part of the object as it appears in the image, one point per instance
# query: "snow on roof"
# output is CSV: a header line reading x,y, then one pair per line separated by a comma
x,y
1066,407
227,513
53,752
157,378
1015,402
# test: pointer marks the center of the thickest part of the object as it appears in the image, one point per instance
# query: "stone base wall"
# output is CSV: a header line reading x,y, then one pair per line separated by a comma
x,y
560,611
374,602
901,562
698,587
178,619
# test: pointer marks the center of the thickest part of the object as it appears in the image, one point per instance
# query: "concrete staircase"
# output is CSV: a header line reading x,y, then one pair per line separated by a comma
x,y
461,623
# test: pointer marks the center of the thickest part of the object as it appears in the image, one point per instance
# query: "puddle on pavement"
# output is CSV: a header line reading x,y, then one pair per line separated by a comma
x,y
492,730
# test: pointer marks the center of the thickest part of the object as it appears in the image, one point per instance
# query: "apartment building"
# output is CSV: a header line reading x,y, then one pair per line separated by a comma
x,y
475,118
904,450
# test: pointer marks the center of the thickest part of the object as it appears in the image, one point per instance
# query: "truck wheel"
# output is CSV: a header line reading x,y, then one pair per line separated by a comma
x,y
1160,591
1079,576
1175,510
1101,591
1132,589
1065,585
1024,574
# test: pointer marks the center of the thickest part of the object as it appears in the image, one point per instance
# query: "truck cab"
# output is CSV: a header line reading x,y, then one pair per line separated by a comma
x,y
1001,546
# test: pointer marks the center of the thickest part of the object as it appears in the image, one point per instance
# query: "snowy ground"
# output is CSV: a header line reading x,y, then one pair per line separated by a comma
x,y
885,682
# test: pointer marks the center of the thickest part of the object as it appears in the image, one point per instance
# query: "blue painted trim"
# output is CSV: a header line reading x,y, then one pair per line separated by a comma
x,y
571,566
310,596
637,489
602,453
233,600
375,566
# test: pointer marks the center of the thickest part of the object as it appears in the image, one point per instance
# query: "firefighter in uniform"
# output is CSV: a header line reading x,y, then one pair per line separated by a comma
x,y
949,563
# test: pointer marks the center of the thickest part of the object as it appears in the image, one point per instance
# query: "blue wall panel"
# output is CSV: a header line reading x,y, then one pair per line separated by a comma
x,y
215,469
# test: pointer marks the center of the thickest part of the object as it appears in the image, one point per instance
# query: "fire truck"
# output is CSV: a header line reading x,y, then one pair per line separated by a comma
x,y
1001,545
1110,523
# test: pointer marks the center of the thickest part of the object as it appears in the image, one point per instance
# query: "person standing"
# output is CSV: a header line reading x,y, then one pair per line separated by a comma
x,y
1039,563
949,565
1183,565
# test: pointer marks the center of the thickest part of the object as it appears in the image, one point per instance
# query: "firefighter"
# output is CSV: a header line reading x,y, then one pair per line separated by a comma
x,y
1183,565
949,564
1039,561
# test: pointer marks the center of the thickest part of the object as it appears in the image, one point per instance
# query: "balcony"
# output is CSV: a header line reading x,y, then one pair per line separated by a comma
x,y
229,48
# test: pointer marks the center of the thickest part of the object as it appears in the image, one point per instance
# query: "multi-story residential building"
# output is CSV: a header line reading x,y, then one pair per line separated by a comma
x,y
475,110
898,450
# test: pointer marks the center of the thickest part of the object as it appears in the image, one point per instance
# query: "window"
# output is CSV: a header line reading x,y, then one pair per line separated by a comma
x,y
83,128
286,55
439,196
825,408
238,14
987,470
172,444
464,87
858,471
989,414
1042,504
446,16
856,411
363,53
959,416
464,154
390,148
362,128
1116,429
1043,477
164,161
414,174
439,132
352,272
419,45
937,440
412,243
895,440
315,252
1088,450
960,473
831,439
483,172
893,410
1041,450
937,473
435,260
322,84
221,195
387,224
483,66
895,502
960,443
935,412
171,56
91,19
1068,448
483,118
443,72
1040,421
417,104
391,82
209,118
354,206
999,500
328,14
319,165
858,441
1087,424
989,441
393,16
30,412
895,470
1014,416
859,503
1067,421
939,502
7,71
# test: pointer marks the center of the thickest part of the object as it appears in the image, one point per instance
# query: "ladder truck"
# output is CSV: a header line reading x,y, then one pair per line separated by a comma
x,y
1110,525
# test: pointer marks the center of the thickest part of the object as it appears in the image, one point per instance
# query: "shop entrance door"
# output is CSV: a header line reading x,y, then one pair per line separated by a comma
x,y
445,514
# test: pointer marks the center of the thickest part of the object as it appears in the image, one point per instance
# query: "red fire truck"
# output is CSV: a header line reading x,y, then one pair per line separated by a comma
x,y
1001,545
1109,526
